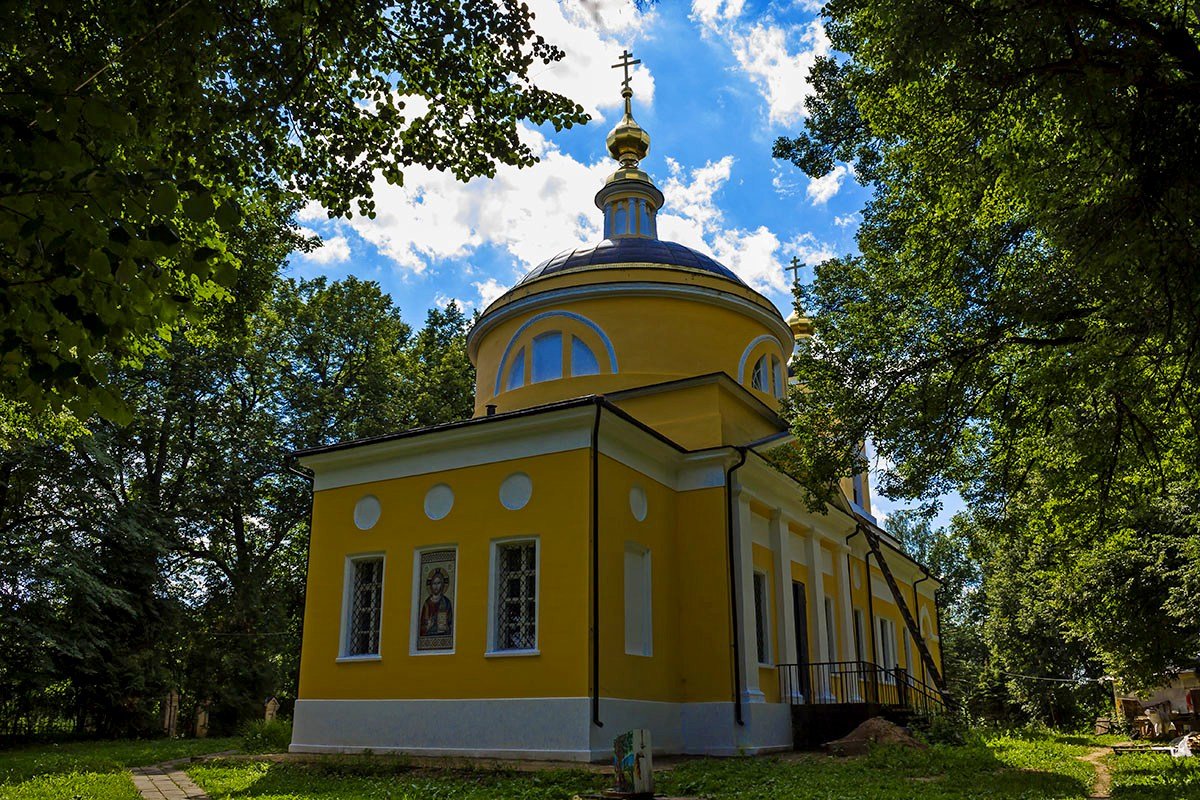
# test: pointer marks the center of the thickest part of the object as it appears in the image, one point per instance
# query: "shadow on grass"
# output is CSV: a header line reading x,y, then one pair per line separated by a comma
x,y
941,773
376,777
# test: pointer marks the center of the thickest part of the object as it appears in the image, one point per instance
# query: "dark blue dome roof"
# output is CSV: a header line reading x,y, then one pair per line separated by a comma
x,y
635,250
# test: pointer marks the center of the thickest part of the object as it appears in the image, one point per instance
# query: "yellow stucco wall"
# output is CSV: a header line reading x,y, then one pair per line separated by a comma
x,y
557,514
704,602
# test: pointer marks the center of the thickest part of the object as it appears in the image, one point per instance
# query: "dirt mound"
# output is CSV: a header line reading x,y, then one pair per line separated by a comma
x,y
876,730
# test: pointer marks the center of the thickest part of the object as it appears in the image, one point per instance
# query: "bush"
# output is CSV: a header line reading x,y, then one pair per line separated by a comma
x,y
944,728
261,736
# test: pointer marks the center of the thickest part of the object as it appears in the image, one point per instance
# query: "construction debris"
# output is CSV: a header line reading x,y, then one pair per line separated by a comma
x,y
876,730
1186,745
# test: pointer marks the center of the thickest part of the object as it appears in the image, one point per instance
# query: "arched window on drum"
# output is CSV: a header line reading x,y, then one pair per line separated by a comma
x,y
555,345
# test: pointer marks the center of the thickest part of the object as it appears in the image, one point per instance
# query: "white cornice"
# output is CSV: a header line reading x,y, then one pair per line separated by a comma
x,y
520,437
702,294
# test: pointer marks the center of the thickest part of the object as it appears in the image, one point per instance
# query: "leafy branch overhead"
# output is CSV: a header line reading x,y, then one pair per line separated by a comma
x,y
1022,321
134,135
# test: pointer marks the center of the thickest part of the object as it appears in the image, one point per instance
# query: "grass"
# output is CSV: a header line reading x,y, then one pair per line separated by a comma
x,y
1012,766
1028,766
386,778
1143,776
90,770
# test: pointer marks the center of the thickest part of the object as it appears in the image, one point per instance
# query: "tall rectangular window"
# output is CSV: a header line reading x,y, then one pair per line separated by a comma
x,y
639,636
761,624
831,631
859,653
887,643
364,601
515,622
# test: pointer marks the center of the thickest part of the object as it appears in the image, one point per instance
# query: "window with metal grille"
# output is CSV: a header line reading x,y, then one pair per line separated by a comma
x,y
366,607
761,627
516,596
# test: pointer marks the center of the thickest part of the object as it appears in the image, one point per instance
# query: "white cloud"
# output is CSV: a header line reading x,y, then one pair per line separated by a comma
x,y
441,300
489,290
532,213
763,53
711,12
592,33
781,75
809,249
821,190
333,250
692,217
848,220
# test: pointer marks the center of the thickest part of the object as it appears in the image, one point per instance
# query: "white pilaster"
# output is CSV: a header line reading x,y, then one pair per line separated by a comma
x,y
816,576
744,566
786,652
841,568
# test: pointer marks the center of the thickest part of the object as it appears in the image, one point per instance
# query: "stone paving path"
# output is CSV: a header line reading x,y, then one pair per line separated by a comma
x,y
166,781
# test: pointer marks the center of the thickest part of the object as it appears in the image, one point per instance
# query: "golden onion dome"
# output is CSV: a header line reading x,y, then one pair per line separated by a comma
x,y
628,142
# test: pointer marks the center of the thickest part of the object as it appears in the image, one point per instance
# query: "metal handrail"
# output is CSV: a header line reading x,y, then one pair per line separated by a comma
x,y
834,682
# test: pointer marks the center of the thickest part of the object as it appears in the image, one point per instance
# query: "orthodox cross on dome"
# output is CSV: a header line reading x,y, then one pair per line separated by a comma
x,y
627,61
794,268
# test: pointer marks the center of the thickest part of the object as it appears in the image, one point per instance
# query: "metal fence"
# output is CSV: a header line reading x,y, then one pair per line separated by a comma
x,y
832,682
49,712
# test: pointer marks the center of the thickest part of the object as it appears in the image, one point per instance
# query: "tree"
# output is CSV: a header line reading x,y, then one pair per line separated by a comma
x,y
1022,319
134,135
441,372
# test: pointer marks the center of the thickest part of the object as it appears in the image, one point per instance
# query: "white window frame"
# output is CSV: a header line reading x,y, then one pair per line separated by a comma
x,y
414,622
762,607
887,648
760,377
641,608
860,644
490,650
347,603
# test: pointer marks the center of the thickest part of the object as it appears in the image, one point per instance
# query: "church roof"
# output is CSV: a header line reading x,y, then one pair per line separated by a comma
x,y
635,250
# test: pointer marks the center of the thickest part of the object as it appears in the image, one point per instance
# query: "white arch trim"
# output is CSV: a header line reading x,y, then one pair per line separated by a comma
x,y
927,624
746,354
612,353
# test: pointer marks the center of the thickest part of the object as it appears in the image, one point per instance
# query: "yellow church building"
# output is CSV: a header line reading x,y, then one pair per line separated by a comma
x,y
605,545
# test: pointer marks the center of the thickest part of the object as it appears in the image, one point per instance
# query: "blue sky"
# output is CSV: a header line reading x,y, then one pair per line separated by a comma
x,y
719,81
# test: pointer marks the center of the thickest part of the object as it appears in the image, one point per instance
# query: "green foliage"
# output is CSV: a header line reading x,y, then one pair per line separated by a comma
x,y
263,736
170,552
1021,321
135,136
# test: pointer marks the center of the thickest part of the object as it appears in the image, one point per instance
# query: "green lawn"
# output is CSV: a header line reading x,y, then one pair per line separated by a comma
x,y
90,770
1155,776
1027,766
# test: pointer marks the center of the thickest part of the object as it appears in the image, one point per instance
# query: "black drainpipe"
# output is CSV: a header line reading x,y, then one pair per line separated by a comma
x,y
595,454
917,616
733,591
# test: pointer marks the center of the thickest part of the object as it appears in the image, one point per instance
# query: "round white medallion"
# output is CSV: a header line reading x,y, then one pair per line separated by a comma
x,y
366,512
438,501
637,503
516,490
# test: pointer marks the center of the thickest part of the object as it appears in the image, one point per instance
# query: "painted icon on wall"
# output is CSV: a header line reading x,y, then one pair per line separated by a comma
x,y
435,622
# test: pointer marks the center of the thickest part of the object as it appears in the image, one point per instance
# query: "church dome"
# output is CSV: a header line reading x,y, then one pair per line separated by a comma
x,y
631,251
629,312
